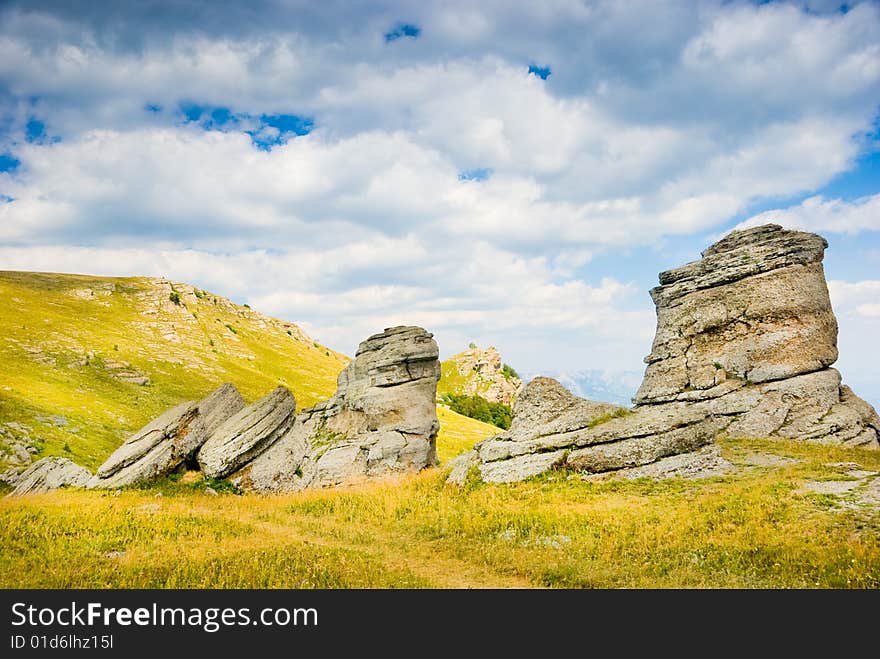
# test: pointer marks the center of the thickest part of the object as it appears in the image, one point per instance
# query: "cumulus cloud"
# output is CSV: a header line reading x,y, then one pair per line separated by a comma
x,y
819,214
846,296
655,122
496,294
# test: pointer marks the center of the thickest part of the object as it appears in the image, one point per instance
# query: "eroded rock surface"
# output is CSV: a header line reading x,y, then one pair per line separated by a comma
x,y
49,474
248,433
744,344
165,443
382,420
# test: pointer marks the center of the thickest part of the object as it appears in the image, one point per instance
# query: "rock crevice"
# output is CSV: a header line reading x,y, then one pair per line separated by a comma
x,y
165,443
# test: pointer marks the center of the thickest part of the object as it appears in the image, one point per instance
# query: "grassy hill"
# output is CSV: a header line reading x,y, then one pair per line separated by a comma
x,y
477,384
87,360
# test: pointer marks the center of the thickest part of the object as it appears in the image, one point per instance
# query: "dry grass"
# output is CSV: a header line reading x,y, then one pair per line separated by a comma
x,y
750,529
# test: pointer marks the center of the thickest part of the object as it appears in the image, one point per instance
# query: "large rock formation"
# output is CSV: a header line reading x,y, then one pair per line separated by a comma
x,y
744,343
247,434
382,419
165,443
50,474
481,372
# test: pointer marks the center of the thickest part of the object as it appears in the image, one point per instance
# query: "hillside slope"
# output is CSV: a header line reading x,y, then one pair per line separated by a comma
x,y
87,360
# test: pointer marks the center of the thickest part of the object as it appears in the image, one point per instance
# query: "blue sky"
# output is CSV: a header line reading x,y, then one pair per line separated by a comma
x,y
510,173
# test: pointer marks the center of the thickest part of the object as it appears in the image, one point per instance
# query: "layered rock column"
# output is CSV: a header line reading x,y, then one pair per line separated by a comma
x,y
754,309
744,345
382,420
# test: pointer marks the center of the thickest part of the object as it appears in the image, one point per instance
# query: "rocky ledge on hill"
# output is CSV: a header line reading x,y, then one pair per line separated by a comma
x,y
480,371
382,420
744,345
49,474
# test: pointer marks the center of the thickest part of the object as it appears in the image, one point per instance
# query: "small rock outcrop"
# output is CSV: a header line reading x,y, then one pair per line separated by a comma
x,y
744,345
480,372
168,441
382,420
49,474
248,433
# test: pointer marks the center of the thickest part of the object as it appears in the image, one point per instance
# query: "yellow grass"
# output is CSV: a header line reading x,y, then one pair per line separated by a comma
x,y
751,529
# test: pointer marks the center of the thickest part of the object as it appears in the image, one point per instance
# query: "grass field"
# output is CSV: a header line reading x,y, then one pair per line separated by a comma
x,y
752,529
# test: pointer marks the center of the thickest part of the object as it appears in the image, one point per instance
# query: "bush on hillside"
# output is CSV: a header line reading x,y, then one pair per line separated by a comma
x,y
477,407
509,371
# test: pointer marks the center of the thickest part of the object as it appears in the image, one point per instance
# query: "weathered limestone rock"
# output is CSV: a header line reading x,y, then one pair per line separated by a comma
x,y
248,433
546,407
744,343
382,420
754,309
50,474
706,462
483,375
165,443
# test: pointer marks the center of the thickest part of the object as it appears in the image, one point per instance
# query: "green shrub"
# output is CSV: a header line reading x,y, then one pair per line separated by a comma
x,y
174,297
509,372
477,407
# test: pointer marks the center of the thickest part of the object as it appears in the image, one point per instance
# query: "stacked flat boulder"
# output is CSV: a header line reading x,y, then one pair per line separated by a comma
x,y
382,420
744,345
248,433
50,474
168,441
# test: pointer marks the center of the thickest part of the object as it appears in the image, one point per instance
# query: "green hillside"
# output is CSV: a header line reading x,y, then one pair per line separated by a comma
x,y
477,384
87,360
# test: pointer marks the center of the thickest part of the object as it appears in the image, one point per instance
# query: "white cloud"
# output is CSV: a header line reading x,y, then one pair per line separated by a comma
x,y
869,310
846,295
494,295
857,307
639,134
819,214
